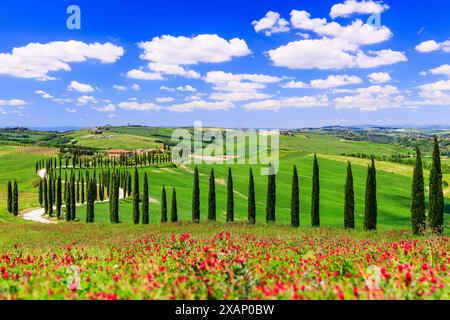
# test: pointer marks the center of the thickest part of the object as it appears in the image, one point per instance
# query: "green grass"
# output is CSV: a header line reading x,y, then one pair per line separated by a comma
x,y
393,183
19,163
393,193
112,140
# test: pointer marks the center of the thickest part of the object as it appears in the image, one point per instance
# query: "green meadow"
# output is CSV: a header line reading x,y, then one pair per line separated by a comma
x,y
394,180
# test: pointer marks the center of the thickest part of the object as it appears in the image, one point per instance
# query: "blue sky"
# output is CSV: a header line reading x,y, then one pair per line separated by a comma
x,y
274,64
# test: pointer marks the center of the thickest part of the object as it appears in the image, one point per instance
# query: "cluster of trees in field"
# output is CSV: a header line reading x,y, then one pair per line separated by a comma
x,y
406,159
48,142
111,182
99,161
82,188
78,150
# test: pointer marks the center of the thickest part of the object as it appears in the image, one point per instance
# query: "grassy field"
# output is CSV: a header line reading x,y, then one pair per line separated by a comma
x,y
112,140
393,181
219,260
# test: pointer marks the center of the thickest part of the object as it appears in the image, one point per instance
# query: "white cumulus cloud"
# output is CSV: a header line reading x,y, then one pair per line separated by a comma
x,y
106,108
432,45
204,48
13,103
80,87
350,7
136,106
37,60
339,47
379,77
271,23
142,75
442,70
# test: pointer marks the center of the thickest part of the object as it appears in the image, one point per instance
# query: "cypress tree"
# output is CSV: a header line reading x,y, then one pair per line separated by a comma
x,y
136,213
436,210
58,197
271,196
54,190
78,190
145,202
91,202
10,197
251,209
41,200
15,199
50,195
295,200
174,209
67,199
349,205
212,197
230,197
370,215
82,191
116,200
315,195
45,196
112,202
163,205
418,218
196,198
129,186
73,205
124,184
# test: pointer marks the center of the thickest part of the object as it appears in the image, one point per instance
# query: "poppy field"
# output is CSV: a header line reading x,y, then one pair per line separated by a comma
x,y
165,262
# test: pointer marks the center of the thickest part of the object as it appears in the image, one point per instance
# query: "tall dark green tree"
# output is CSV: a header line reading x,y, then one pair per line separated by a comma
x,y
251,206
196,198
78,190
41,200
136,210
315,195
113,201
230,197
73,205
15,199
271,195
436,207
82,191
58,197
10,197
50,195
174,209
145,201
212,197
90,214
129,186
370,214
295,200
44,181
163,205
349,204
418,218
66,199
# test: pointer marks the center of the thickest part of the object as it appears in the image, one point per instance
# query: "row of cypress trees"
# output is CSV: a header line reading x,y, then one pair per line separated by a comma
x,y
137,199
349,210
12,202
144,159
